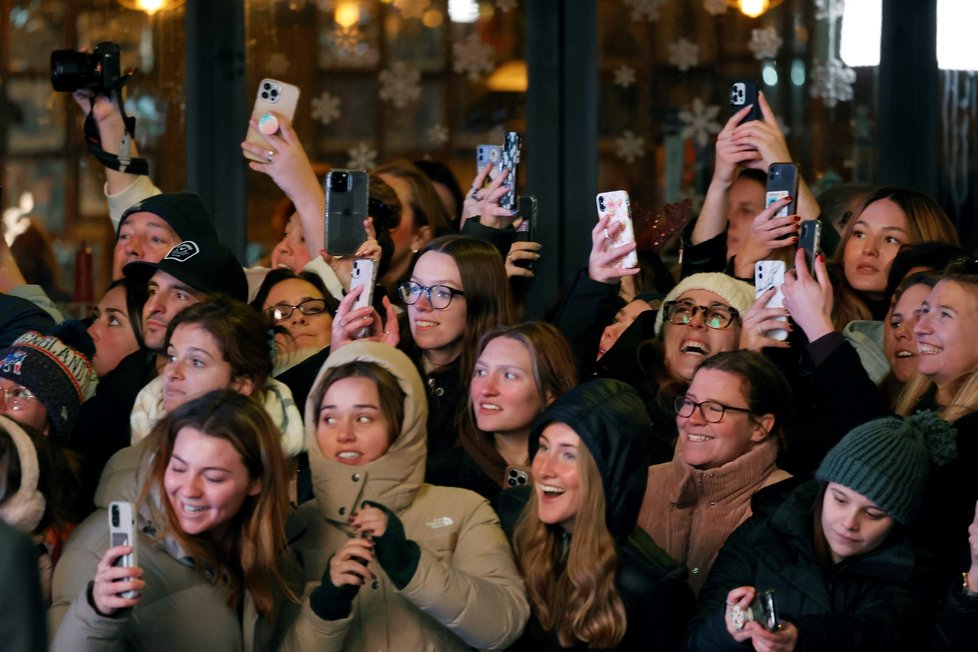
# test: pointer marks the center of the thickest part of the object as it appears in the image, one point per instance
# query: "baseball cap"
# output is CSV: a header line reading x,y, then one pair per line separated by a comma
x,y
204,265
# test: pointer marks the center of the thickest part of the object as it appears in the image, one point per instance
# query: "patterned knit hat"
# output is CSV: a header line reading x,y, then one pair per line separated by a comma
x,y
887,460
59,375
738,294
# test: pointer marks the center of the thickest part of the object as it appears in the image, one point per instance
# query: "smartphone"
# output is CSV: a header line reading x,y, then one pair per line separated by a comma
x,y
764,610
616,204
347,200
510,160
782,181
364,275
273,95
810,240
527,229
122,532
516,476
768,274
742,93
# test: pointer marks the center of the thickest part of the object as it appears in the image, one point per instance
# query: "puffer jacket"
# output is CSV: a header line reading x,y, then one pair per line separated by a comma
x,y
611,421
868,602
466,591
179,610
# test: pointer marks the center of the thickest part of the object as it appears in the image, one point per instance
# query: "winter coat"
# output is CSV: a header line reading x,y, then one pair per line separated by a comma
x,y
868,602
275,398
690,512
609,418
466,590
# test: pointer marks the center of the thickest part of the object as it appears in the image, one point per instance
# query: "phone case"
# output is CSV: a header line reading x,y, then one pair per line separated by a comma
x,y
810,240
273,95
517,476
616,204
364,275
486,154
347,199
767,274
743,93
510,160
122,532
782,181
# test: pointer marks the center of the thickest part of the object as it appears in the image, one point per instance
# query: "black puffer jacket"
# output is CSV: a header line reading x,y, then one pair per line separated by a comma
x,y
869,602
611,421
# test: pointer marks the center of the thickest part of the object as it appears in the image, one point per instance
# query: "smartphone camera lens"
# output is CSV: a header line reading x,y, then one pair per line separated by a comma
x,y
115,517
601,203
267,86
264,95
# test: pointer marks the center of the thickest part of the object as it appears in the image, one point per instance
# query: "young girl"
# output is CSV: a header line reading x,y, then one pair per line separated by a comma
x,y
391,563
211,523
594,579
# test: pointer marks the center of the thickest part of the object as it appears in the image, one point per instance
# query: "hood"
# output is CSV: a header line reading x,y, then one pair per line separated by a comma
x,y
394,478
611,420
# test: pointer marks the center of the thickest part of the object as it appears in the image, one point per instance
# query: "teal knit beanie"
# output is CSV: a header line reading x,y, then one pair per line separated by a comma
x,y
888,460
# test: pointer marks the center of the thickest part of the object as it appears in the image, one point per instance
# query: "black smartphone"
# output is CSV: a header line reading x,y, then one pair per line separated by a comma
x,y
347,199
810,240
527,229
742,93
510,160
782,181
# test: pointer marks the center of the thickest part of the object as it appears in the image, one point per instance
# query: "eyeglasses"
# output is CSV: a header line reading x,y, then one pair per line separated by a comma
x,y
384,216
439,296
683,312
712,411
16,397
309,308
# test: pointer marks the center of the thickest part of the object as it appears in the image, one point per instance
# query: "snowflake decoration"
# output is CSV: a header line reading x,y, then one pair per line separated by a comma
x,y
412,8
700,123
764,43
362,157
345,40
684,54
277,64
473,57
400,84
715,7
629,146
437,134
505,6
647,10
832,81
325,108
624,76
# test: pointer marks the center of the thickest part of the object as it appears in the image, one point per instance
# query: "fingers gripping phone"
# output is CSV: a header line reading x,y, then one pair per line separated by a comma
x,y
768,274
810,240
527,229
364,275
122,532
742,93
782,181
616,204
273,95
347,199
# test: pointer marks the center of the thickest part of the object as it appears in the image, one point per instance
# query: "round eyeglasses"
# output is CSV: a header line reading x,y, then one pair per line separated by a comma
x,y
439,296
309,308
712,411
683,312
16,397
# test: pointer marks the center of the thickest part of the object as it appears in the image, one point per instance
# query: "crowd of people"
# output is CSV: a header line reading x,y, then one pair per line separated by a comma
x,y
648,468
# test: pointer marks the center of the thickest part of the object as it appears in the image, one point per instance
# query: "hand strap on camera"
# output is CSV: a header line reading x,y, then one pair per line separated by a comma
x,y
123,162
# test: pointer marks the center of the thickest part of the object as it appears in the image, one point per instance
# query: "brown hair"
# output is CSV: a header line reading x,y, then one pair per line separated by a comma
x,y
246,557
425,203
573,595
389,392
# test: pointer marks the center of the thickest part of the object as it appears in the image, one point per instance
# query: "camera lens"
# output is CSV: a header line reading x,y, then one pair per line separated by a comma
x,y
115,517
266,86
264,95
72,70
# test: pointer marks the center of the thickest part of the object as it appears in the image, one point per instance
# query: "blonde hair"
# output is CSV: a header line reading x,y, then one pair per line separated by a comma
x,y
572,592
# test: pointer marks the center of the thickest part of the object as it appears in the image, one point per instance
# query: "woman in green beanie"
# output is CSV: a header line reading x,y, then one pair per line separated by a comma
x,y
836,553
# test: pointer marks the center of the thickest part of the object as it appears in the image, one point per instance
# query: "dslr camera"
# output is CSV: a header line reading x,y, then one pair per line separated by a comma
x,y
98,71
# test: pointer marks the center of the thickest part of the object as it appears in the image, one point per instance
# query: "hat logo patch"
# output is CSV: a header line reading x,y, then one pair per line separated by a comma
x,y
183,251
12,363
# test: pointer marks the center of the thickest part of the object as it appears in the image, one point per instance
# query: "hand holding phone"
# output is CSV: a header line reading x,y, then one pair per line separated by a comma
x,y
768,274
364,275
273,95
122,532
810,241
763,610
620,231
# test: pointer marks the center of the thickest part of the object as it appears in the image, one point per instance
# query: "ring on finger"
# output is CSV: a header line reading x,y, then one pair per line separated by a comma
x,y
270,155
475,193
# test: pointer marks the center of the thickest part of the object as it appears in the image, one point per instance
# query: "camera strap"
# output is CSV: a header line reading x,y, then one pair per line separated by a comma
x,y
123,162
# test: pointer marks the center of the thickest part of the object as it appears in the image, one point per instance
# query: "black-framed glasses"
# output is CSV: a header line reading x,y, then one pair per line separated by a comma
x,y
683,312
16,397
439,296
309,308
712,411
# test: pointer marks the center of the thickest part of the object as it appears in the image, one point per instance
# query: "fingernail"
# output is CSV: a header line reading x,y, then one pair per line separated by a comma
x,y
790,198
794,239
821,258
798,218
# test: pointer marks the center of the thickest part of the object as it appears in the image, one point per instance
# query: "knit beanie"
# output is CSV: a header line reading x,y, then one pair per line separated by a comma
x,y
61,376
738,294
185,212
887,460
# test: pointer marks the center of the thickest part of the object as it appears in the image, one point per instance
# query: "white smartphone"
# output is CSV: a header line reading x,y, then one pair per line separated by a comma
x,y
616,204
364,275
122,532
767,274
273,95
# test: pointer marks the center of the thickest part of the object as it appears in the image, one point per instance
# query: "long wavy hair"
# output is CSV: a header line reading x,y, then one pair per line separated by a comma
x,y
965,400
926,222
246,557
572,591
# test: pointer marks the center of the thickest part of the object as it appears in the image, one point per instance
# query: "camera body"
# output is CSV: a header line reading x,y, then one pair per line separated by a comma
x,y
99,71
